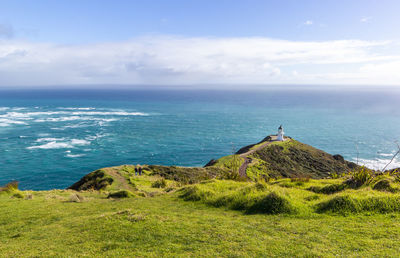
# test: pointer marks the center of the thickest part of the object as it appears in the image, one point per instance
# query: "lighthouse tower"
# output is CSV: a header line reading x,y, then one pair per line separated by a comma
x,y
280,134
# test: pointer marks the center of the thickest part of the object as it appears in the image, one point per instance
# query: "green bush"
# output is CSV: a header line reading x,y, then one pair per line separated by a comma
x,y
338,204
328,189
347,204
121,194
384,185
18,194
271,204
253,198
159,183
10,187
360,176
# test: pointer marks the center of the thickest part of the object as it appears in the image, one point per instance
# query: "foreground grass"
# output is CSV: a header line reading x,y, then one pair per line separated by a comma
x,y
50,224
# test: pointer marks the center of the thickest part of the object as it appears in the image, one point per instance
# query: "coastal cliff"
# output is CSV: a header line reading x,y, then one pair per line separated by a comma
x,y
267,159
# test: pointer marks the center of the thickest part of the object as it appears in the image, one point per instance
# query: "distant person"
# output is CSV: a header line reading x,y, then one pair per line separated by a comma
x,y
136,171
140,171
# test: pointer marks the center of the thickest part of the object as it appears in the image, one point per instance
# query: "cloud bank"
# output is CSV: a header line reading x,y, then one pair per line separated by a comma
x,y
172,60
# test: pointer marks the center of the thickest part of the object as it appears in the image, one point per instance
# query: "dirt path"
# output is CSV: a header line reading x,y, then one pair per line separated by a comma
x,y
247,160
122,183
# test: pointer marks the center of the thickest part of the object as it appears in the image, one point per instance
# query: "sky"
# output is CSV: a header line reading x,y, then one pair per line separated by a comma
x,y
181,42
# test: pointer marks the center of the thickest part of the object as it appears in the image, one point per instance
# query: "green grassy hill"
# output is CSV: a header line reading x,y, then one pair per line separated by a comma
x,y
285,217
289,158
212,211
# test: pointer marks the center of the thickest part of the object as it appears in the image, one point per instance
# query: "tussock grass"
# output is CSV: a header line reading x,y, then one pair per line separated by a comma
x,y
328,189
121,194
248,197
10,187
159,183
348,204
384,185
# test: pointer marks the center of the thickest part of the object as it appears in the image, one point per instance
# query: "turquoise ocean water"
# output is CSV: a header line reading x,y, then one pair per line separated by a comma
x,y
50,139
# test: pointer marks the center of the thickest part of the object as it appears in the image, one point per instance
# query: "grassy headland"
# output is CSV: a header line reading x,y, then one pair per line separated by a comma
x,y
211,211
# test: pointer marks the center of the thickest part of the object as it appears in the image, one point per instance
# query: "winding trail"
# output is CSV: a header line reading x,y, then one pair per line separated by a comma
x,y
122,182
247,160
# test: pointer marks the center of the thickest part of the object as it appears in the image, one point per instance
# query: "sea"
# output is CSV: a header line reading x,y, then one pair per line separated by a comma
x,y
50,138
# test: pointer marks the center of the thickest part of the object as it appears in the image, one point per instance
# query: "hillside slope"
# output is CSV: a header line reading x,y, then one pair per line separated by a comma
x,y
289,158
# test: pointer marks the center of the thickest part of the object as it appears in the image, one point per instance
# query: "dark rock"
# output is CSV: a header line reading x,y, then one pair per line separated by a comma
x,y
211,163
339,158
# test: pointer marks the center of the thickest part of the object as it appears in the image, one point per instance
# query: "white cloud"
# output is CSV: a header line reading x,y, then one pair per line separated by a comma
x,y
184,60
308,22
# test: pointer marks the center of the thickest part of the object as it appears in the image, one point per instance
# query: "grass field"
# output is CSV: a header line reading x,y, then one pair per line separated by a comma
x,y
211,218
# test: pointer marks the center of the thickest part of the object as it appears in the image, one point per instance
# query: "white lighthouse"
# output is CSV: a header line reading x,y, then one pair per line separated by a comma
x,y
280,134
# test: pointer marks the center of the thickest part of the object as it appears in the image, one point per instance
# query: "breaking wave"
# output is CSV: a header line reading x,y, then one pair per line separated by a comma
x,y
379,164
54,143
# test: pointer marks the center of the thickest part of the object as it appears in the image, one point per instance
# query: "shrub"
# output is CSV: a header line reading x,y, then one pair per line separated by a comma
x,y
248,198
271,204
383,185
10,187
359,177
169,189
18,194
121,194
328,189
346,204
159,183
338,204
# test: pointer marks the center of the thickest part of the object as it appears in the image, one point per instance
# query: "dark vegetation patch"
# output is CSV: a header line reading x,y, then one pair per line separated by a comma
x,y
121,194
159,183
271,204
97,180
328,189
185,175
250,199
10,187
384,185
347,204
360,176
295,159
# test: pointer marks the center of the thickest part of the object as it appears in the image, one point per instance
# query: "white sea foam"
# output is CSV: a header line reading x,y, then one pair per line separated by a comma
x,y
386,154
59,143
79,142
52,145
77,108
49,139
73,113
114,113
7,122
4,108
73,118
74,155
379,164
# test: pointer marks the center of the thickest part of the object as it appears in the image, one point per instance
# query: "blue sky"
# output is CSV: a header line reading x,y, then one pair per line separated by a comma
x,y
198,42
